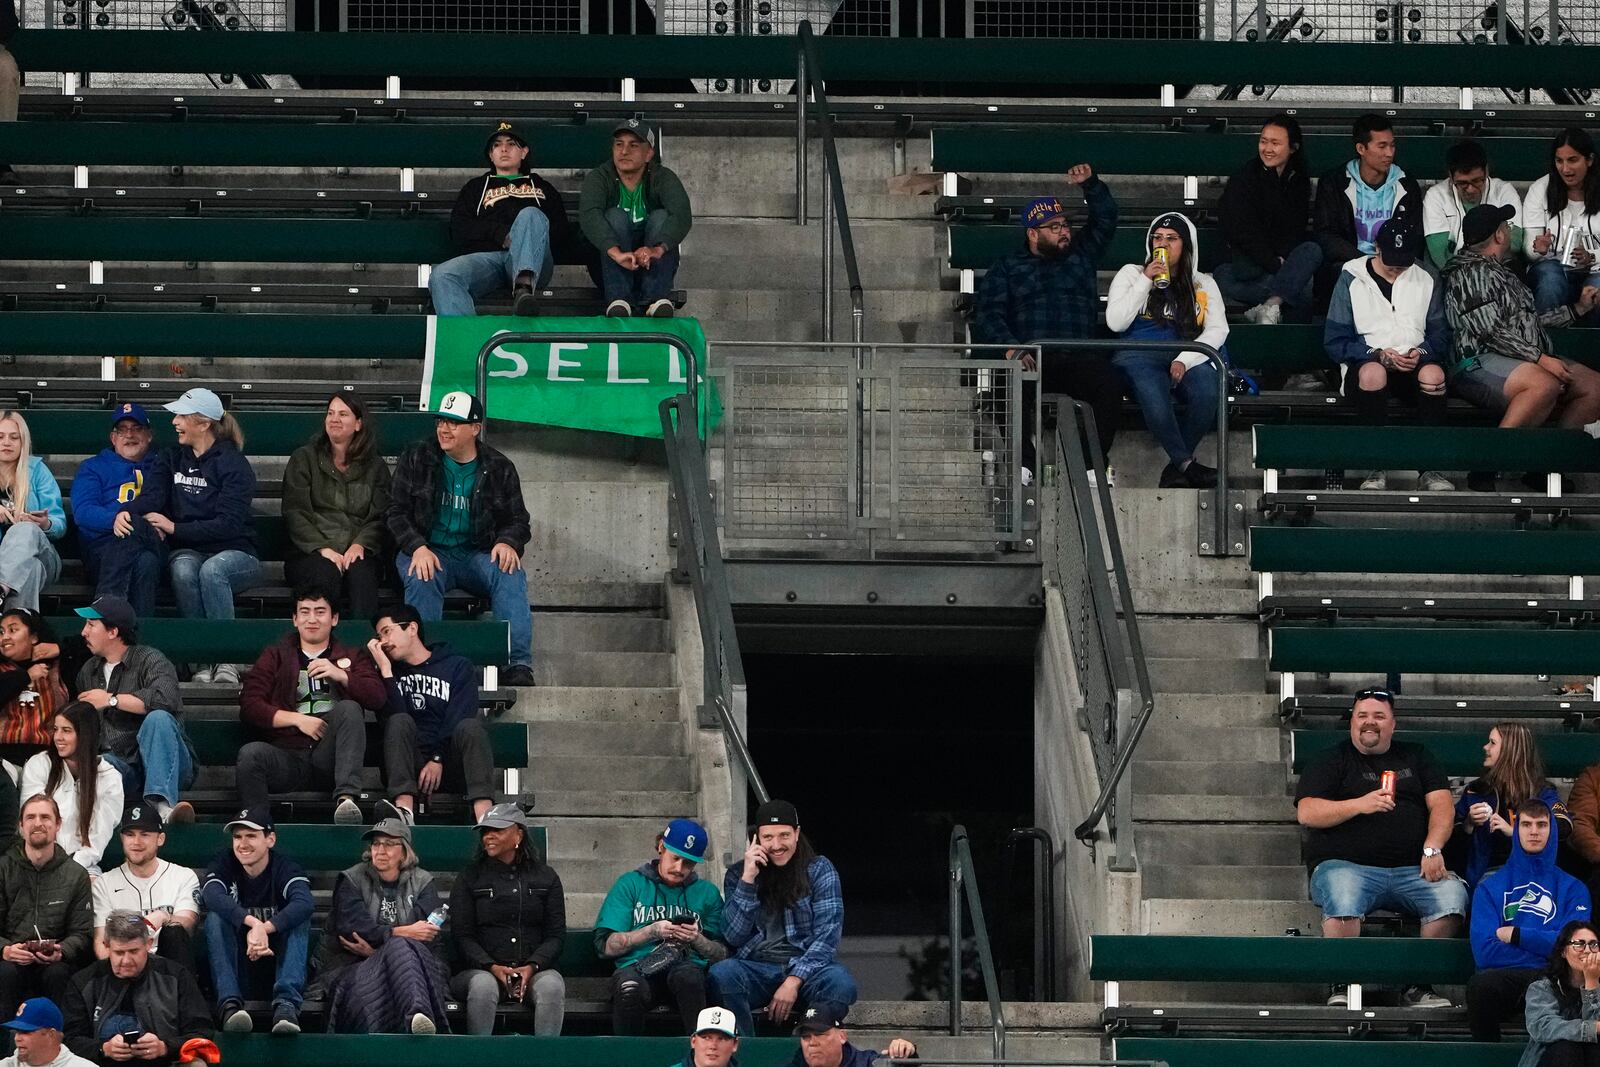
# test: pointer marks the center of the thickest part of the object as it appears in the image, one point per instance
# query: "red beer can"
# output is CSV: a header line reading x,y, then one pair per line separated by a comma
x,y
1386,782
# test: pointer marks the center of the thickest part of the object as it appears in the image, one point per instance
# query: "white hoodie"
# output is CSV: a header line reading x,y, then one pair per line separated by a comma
x,y
1130,291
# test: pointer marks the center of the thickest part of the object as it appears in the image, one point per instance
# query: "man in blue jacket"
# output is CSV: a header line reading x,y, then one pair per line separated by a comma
x,y
824,1042
101,491
1517,912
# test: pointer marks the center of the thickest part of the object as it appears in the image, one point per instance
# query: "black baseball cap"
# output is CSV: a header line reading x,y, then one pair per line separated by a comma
x,y
257,818
777,813
639,128
505,128
1397,243
142,817
820,1018
1480,223
113,611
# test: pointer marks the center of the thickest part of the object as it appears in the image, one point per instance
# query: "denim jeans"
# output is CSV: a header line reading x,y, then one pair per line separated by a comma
x,y
204,585
1346,890
744,985
1554,285
129,567
476,573
455,282
225,949
28,563
547,997
1243,281
639,288
166,764
1152,386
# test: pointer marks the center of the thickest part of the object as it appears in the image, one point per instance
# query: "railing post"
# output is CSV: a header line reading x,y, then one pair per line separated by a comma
x,y
827,251
801,141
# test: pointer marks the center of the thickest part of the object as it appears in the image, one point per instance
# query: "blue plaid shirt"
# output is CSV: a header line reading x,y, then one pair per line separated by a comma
x,y
813,924
1023,296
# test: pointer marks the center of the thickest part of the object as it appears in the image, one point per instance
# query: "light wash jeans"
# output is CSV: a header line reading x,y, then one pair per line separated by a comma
x,y
455,282
476,573
204,585
28,563
166,763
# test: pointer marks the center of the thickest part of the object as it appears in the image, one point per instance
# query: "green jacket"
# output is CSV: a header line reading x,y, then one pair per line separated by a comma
x,y
640,898
662,190
55,898
327,508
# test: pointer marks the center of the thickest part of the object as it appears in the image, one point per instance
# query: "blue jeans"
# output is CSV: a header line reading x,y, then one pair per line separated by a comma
x,y
225,948
128,567
455,282
1346,890
1148,375
28,563
476,573
1243,281
744,985
639,288
204,585
166,765
1554,285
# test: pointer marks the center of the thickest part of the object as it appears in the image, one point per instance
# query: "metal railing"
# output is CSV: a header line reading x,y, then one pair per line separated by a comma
x,y
835,212
963,875
1044,904
1102,649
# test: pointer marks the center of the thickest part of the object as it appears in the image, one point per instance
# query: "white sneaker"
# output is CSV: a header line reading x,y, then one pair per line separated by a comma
x,y
202,675
238,1021
1111,476
348,813
1378,480
1434,482
421,1024
1027,476
619,309
225,674
1265,314
1423,996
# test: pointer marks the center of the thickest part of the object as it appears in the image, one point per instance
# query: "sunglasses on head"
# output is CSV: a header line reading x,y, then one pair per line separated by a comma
x,y
1375,693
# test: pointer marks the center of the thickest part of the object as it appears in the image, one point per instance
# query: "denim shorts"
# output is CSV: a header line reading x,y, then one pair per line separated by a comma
x,y
1345,890
1484,385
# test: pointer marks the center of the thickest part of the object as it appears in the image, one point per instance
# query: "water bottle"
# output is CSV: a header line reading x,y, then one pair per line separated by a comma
x,y
440,916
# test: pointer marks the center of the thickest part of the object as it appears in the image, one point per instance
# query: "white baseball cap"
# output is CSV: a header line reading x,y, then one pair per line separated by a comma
x,y
718,1019
460,407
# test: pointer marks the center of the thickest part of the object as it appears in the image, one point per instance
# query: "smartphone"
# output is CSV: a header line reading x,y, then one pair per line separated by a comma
x,y
514,985
131,1036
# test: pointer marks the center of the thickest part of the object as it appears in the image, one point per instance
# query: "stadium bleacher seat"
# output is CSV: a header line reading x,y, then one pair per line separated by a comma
x,y
394,1050
1497,650
486,642
1459,754
1244,1052
80,431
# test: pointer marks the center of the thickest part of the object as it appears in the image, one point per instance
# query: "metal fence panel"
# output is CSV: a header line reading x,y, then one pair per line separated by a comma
x,y
466,16
1119,19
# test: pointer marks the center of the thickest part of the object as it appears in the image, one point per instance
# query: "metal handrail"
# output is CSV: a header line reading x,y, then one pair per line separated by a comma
x,y
833,199
1044,979
962,873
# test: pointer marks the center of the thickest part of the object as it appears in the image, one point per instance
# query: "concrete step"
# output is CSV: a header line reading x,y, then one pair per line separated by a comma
x,y
1208,808
599,631
1209,882
645,773
664,804
1166,635
1257,918
583,908
646,669
1207,675
613,703
1204,711
606,738
1172,739
1216,777
1218,845
579,837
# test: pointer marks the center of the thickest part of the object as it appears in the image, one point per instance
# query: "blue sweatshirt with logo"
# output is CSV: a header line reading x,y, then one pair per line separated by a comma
x,y
208,498
1531,895
105,485
438,693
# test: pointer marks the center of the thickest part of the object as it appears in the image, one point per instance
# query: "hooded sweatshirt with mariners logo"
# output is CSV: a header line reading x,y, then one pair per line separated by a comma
x,y
1531,895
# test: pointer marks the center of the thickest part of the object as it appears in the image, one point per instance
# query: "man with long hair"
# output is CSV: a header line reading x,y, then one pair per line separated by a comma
x,y
782,917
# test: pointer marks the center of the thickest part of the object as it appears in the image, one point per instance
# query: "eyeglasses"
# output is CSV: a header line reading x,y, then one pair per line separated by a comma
x,y
1375,693
1584,946
1053,227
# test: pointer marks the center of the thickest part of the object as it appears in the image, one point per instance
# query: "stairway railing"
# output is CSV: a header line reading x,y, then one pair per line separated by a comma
x,y
962,874
835,213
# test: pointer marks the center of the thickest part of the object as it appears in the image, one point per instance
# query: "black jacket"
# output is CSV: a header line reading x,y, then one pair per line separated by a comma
x,y
498,514
1333,217
508,914
488,205
8,20
1265,214
164,998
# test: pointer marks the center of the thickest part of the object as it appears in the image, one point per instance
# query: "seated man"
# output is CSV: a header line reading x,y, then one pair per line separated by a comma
x,y
136,689
506,226
102,489
824,1042
38,1031
661,922
307,696
46,914
1386,330
714,1041
1502,359
31,689
1378,813
258,903
1467,184
431,728
1517,913
457,517
134,1005
167,895
636,214
782,916
1355,199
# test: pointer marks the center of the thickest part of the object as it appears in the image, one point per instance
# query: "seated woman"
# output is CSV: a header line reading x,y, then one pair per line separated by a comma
x,y
382,964
1561,225
1513,774
31,518
87,789
1265,212
1187,307
206,523
335,493
1563,1007
31,687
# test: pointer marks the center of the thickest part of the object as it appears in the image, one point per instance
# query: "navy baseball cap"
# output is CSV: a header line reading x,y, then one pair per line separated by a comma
x,y
111,610
40,1013
686,838
257,818
820,1018
1397,243
129,410
1041,210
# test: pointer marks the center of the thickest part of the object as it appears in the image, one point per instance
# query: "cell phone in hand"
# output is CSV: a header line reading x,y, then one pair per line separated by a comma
x,y
132,1036
514,985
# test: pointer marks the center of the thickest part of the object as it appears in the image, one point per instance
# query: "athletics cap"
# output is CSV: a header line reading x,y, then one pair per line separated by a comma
x,y
719,1019
1397,243
686,838
129,410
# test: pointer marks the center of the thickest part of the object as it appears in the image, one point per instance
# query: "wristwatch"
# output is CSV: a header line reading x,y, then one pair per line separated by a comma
x,y
1429,853
112,703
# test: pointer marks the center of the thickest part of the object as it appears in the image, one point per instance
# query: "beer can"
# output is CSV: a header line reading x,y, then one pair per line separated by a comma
x,y
1386,782
1163,277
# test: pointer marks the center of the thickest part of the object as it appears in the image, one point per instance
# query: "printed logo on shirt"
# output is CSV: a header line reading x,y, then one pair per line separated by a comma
x,y
645,914
128,490
520,191
1530,897
420,686
190,483
449,501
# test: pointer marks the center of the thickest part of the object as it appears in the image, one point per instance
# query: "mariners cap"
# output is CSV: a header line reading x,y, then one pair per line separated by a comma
x,y
40,1013
719,1019
257,818
820,1018
686,838
1041,210
460,406
777,813
639,128
1397,243
129,410
198,402
1480,223
142,817
502,816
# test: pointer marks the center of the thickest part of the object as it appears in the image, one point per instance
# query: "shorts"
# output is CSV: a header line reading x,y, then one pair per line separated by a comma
x,y
1484,384
1345,890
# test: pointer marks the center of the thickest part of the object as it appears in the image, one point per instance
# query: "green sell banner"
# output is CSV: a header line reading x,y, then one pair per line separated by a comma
x,y
609,384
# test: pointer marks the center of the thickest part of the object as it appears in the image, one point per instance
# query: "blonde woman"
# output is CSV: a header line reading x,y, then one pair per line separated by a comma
x,y
1513,774
30,517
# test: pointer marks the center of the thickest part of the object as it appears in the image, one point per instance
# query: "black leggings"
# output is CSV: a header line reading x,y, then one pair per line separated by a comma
x,y
1571,1054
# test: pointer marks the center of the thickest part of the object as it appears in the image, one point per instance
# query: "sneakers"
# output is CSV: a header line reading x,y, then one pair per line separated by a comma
x,y
1195,476
1434,482
1377,480
235,1020
1338,996
202,674
519,675
1265,314
182,812
348,813
421,1024
1027,476
661,309
1423,996
1481,481
619,309
225,674
388,809
285,1020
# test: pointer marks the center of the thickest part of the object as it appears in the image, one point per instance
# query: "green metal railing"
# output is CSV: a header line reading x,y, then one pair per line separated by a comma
x,y
962,874
835,213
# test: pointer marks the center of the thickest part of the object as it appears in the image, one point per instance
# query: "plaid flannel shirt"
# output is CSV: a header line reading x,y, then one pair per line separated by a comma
x,y
813,924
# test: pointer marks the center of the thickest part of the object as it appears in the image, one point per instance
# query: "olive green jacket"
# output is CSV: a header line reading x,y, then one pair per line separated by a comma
x,y
327,508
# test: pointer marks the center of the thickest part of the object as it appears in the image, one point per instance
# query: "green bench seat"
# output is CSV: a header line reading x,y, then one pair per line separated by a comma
x,y
236,240
1351,550
485,642
217,741
404,1050
1245,1052
1457,753
1180,958
318,847
1377,650
195,335
1455,448
975,246
80,431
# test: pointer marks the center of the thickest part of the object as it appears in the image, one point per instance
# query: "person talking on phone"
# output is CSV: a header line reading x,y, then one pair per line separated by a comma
x,y
661,923
782,916
46,911
134,1005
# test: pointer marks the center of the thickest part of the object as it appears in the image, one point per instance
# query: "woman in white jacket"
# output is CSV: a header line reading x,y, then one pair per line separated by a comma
x,y
1561,221
1188,309
83,783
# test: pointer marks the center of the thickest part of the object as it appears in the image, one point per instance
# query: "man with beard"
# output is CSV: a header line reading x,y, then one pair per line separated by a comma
x,y
122,555
46,911
1378,813
1048,291
782,916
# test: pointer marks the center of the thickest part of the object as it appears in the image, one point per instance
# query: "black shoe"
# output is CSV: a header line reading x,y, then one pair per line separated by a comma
x,y
1481,481
523,302
1195,476
388,809
519,675
285,1020
8,176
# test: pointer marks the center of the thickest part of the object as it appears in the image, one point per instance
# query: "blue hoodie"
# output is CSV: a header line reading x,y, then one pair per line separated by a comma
x,y
209,498
105,485
1373,206
438,693
1534,897
45,495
